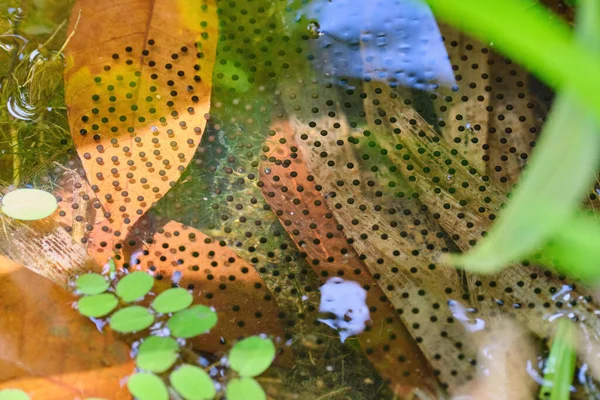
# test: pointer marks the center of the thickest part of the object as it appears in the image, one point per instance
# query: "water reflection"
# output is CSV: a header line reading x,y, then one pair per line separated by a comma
x,y
393,40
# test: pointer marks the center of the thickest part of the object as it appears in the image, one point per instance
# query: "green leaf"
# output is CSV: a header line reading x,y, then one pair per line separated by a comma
x,y
252,356
574,250
13,394
131,319
245,389
532,36
134,286
192,383
157,353
560,365
172,300
97,305
29,204
556,179
194,321
147,386
91,283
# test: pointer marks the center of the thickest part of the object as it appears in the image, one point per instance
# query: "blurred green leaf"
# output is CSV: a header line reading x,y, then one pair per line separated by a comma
x,y
97,305
560,365
575,249
560,172
157,353
147,386
245,389
13,394
91,283
194,321
172,300
192,383
252,356
134,286
131,319
532,36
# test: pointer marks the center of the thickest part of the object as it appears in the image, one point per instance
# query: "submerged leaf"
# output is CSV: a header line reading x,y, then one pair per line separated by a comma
x,y
252,356
194,321
97,305
92,283
245,389
134,286
137,97
531,35
29,204
556,179
176,245
192,383
131,319
172,300
146,386
157,353
73,356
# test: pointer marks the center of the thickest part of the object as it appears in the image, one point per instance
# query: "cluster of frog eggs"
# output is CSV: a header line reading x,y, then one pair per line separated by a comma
x,y
501,132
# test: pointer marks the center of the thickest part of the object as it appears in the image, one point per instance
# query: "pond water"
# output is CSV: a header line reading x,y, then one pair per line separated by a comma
x,y
302,167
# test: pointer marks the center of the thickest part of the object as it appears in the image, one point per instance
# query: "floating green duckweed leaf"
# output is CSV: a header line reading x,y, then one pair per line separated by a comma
x,y
97,305
147,386
192,383
29,204
131,319
92,284
13,394
194,321
134,286
172,300
245,389
252,356
157,353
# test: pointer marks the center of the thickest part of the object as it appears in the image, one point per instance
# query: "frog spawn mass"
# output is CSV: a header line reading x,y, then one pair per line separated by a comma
x,y
306,179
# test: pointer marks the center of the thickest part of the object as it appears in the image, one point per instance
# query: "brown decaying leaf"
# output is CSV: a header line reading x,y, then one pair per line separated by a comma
x,y
416,291
137,95
307,218
44,247
47,349
529,291
219,278
462,116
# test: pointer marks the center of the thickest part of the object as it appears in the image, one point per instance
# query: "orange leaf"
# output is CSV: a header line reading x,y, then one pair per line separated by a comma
x,y
137,94
50,351
220,278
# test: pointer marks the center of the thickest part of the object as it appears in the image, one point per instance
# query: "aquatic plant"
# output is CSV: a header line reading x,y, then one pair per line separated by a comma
x,y
159,354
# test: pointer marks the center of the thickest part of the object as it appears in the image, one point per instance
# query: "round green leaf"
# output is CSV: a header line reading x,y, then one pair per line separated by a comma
x,y
192,322
134,286
29,204
97,305
244,389
13,394
192,383
92,284
157,353
131,319
252,356
147,386
172,300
